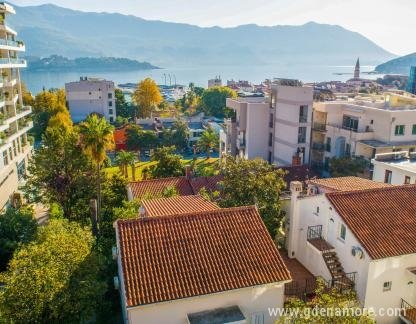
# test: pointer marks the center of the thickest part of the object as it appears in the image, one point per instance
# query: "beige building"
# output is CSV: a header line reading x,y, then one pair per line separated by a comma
x,y
15,120
363,126
275,128
203,265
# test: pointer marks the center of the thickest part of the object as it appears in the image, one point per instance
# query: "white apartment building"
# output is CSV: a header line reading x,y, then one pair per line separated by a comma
x,y
216,82
396,168
360,234
276,128
363,126
15,122
91,95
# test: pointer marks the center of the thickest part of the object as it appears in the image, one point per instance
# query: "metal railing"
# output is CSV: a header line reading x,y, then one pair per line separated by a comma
x,y
314,232
408,311
301,289
344,283
12,61
8,42
319,127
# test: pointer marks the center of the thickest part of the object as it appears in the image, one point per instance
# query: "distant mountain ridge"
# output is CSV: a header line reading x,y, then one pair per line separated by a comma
x,y
49,29
400,65
56,63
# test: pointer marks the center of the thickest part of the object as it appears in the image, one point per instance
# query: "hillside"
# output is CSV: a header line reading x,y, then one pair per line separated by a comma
x,y
49,29
400,65
57,63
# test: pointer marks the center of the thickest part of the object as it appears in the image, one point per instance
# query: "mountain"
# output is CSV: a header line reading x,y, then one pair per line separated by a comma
x,y
56,63
400,65
49,29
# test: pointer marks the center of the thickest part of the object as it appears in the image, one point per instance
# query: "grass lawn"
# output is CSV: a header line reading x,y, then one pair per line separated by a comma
x,y
201,162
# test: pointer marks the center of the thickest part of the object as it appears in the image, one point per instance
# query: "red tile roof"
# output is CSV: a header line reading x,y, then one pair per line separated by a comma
x,y
383,220
348,183
183,185
177,205
173,257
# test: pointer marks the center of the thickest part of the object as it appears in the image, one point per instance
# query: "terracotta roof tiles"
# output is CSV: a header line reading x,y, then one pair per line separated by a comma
x,y
172,257
348,183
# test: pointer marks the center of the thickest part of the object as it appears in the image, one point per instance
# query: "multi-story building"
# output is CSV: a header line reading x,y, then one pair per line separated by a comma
x,y
411,84
217,82
363,126
275,128
15,148
395,168
359,234
91,95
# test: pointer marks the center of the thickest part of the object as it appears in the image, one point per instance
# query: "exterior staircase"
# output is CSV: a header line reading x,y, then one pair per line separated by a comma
x,y
340,279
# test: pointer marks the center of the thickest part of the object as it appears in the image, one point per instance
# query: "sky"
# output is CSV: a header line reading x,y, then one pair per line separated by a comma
x,y
389,23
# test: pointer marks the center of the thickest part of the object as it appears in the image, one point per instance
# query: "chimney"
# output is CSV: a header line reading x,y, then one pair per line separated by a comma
x,y
188,172
142,212
296,188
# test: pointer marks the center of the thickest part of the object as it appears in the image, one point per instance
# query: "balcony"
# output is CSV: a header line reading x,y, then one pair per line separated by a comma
x,y
12,45
314,237
408,312
319,127
12,63
318,146
11,136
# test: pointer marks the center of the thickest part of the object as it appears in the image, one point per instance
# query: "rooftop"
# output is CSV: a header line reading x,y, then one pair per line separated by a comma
x,y
347,183
183,185
383,220
398,160
196,254
177,205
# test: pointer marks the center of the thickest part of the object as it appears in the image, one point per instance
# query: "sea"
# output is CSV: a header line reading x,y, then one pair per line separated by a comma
x,y
199,75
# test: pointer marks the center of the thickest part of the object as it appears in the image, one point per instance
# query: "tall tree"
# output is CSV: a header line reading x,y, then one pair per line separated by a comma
x,y
168,163
17,226
208,141
55,278
213,101
147,97
139,139
124,160
253,182
123,108
96,139
178,135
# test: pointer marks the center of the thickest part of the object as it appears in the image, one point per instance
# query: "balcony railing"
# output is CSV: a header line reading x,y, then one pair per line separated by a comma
x,y
408,311
12,61
319,127
8,42
344,283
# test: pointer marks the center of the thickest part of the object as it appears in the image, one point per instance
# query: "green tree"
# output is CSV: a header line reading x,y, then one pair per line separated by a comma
x,y
253,182
347,166
96,139
139,139
123,109
177,136
60,173
208,141
124,160
332,302
55,278
213,101
169,164
17,226
147,97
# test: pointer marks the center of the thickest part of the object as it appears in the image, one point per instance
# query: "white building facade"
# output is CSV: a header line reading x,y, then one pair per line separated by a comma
x,y
15,147
396,168
91,95
276,128
382,281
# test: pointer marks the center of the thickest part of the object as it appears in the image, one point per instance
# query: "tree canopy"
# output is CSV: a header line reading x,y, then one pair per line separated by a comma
x,y
147,97
169,164
138,139
347,166
208,141
55,278
213,101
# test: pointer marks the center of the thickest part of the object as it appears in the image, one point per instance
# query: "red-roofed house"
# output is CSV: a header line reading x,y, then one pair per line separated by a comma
x,y
216,266
359,234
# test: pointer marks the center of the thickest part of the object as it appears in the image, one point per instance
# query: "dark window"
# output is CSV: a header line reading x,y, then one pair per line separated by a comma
x,y
110,111
271,120
414,129
303,114
342,232
347,149
111,119
302,135
270,139
387,176
110,96
5,158
270,157
110,104
349,122
399,130
328,144
406,180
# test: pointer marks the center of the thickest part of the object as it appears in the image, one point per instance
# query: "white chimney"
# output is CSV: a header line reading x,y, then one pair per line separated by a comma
x,y
295,189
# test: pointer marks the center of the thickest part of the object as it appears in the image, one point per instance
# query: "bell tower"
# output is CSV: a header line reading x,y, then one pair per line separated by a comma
x,y
357,69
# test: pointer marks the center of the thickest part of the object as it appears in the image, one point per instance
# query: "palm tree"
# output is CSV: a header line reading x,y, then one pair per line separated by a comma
x,y
96,139
123,160
208,141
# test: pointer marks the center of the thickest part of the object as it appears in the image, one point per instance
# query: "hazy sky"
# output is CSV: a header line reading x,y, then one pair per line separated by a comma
x,y
389,23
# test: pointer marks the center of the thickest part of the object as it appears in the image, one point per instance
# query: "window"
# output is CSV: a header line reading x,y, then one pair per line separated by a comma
x,y
372,122
387,286
270,157
303,114
110,111
270,139
350,123
328,144
406,180
399,130
110,96
110,104
302,135
414,129
271,120
342,232
111,119
5,158
387,176
347,149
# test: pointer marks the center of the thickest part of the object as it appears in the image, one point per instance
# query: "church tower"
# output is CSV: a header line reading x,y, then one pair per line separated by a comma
x,y
357,69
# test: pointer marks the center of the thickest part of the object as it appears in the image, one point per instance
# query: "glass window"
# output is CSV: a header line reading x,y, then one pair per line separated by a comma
x,y
387,286
270,139
342,232
5,158
110,104
110,111
110,96
303,114
349,122
302,135
399,130
328,144
414,129
406,180
387,176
